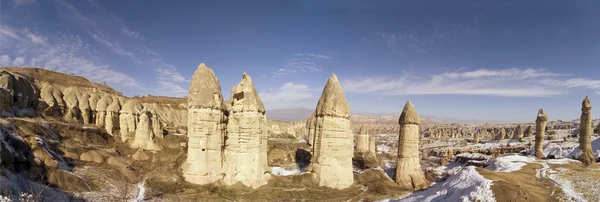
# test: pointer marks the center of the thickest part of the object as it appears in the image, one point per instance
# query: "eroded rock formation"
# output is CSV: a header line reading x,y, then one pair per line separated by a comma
x,y
362,140
585,133
518,134
408,169
540,130
331,162
128,118
246,150
112,116
205,130
144,137
101,107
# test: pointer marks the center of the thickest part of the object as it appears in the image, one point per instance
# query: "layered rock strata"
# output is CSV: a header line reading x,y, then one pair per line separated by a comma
x,y
331,162
246,150
362,140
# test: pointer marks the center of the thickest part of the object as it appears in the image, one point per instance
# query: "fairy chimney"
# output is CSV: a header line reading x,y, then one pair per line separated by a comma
x,y
144,137
205,137
408,169
585,133
501,135
518,134
540,130
128,118
528,131
362,140
331,162
112,116
101,107
246,150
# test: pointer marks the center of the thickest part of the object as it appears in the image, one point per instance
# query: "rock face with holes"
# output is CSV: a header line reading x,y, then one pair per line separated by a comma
x,y
128,118
205,128
144,136
408,170
362,140
540,130
585,133
331,162
246,145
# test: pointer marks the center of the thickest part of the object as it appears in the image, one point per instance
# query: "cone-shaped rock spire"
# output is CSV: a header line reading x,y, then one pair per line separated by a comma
x,y
205,128
540,130
205,89
408,170
585,133
333,101
331,162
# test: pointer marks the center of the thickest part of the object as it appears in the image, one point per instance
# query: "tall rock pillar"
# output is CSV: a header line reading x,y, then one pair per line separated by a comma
x,y
362,140
585,133
331,162
540,130
246,150
205,137
408,169
518,134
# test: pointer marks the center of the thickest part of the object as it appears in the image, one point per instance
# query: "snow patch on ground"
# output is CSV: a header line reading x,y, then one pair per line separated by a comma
x,y
279,171
566,186
383,148
141,192
509,163
467,185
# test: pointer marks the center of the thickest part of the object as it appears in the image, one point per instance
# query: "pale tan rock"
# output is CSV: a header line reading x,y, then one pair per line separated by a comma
x,y
101,107
84,107
501,135
362,140
53,99
540,130
72,112
141,155
310,125
92,156
128,118
205,130
408,169
332,164
528,132
518,134
586,131
94,98
144,136
246,151
372,146
112,116
476,138
156,124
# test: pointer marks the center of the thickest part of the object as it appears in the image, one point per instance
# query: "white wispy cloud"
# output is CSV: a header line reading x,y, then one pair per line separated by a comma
x,y
131,33
287,93
503,82
64,53
301,62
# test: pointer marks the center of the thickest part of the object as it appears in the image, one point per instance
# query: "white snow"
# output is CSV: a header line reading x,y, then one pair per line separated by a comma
x,y
383,148
595,148
509,163
141,192
279,171
467,185
566,187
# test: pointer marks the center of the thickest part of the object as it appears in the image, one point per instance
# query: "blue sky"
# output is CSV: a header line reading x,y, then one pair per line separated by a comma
x,y
485,60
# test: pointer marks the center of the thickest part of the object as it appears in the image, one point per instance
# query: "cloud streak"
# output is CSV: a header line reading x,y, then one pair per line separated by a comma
x,y
287,93
65,53
503,82
302,62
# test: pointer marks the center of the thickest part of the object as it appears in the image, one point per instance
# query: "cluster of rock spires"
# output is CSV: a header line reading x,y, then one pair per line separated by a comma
x,y
85,105
227,139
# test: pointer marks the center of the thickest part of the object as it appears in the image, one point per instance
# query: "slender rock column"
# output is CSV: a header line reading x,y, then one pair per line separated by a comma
x,y
144,138
585,133
310,124
540,130
408,169
372,146
205,114
528,131
362,140
112,116
84,107
331,162
501,135
101,107
476,138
